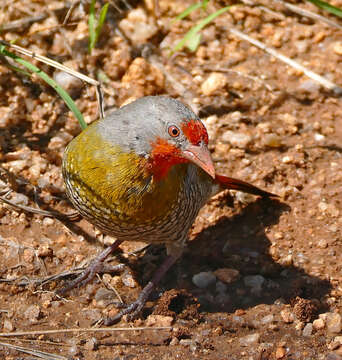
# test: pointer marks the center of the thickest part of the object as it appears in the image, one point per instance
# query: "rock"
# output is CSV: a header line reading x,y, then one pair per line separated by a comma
x,y
250,339
174,341
309,86
280,352
91,344
287,316
319,137
215,81
8,325
318,324
33,314
240,140
47,221
333,356
227,275
159,320
272,140
67,81
20,199
338,339
254,281
337,47
307,331
204,279
267,319
334,323
128,280
138,27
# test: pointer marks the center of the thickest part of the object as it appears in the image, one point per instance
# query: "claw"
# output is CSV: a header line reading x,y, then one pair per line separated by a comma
x,y
97,266
133,309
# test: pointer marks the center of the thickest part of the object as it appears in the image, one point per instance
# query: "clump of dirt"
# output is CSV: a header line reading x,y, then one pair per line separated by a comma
x,y
178,303
304,309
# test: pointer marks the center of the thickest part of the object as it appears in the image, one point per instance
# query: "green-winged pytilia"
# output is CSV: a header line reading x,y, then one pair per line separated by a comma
x,y
143,173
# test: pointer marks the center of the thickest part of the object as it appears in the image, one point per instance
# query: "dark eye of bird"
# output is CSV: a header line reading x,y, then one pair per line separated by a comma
x,y
174,131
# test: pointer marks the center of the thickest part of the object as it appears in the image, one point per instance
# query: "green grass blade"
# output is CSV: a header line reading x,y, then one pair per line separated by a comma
x,y
204,4
188,38
91,25
61,92
326,6
101,21
187,11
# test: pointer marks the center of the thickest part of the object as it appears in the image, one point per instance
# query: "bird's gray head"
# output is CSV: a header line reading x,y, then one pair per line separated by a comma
x,y
161,127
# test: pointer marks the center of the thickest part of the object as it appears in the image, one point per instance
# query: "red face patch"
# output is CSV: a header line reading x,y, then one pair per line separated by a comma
x,y
163,156
195,132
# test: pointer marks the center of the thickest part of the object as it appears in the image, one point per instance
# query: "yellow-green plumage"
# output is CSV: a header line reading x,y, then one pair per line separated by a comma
x,y
115,190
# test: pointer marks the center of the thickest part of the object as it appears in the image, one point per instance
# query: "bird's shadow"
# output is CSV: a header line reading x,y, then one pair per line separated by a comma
x,y
241,242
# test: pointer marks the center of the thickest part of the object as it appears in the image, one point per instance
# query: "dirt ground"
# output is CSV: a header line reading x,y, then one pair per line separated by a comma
x,y
261,279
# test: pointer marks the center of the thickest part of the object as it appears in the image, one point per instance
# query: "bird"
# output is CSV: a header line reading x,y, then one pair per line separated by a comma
x,y
143,172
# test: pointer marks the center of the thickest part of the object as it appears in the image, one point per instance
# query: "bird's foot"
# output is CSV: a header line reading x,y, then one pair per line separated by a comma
x,y
89,273
131,310
97,266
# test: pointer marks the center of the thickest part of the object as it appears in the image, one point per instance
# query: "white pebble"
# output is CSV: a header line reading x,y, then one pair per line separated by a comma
x,y
214,82
239,140
250,339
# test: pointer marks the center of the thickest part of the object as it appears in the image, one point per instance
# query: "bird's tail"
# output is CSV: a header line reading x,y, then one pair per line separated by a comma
x,y
234,184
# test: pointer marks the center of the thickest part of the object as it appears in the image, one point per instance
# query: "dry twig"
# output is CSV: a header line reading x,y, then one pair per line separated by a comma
x,y
37,353
321,80
60,331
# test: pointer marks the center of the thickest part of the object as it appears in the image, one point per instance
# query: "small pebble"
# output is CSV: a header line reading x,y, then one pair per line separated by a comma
x,y
334,323
307,331
272,140
20,199
280,352
236,139
287,316
309,86
128,280
138,26
250,339
204,279
47,221
227,275
319,137
318,324
91,344
337,47
215,81
159,320
254,281
8,325
67,81
174,341
333,356
267,319
32,313
287,159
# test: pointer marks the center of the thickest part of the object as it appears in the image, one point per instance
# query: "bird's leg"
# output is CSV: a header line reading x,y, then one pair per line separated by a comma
x,y
97,266
133,309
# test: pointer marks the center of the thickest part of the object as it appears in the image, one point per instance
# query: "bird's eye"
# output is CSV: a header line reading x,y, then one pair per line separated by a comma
x,y
174,131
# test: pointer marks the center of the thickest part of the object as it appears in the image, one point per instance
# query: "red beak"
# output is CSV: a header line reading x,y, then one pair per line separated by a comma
x,y
200,156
